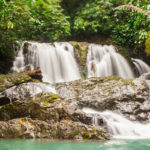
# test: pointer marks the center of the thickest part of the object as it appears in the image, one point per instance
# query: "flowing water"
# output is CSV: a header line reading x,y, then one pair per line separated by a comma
x,y
119,126
141,66
65,145
105,61
56,61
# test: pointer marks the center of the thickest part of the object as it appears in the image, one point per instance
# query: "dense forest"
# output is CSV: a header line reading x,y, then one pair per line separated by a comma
x,y
126,23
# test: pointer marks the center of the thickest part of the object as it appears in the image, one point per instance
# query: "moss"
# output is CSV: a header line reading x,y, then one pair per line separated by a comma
x,y
74,133
128,82
50,98
9,80
82,48
86,135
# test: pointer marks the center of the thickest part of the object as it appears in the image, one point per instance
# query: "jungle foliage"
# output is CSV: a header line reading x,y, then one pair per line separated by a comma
x,y
51,20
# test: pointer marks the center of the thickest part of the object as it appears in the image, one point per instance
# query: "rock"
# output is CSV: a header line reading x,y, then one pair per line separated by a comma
x,y
28,128
12,79
24,91
47,116
35,74
125,96
80,50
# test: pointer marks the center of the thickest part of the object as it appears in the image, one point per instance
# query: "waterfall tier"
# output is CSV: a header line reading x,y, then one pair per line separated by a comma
x,y
141,66
56,61
119,126
105,61
58,64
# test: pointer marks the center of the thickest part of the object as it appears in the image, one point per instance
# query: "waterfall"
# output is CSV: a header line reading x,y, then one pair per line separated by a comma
x,y
18,64
105,61
141,66
119,126
56,61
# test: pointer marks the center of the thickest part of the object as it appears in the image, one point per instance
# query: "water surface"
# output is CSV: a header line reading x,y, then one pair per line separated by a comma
x,y
67,145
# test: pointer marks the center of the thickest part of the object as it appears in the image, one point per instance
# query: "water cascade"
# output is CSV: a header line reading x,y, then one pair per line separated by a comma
x,y
56,61
141,66
119,126
105,61
18,64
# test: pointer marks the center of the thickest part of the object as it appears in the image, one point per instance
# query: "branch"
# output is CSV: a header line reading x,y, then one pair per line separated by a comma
x,y
134,8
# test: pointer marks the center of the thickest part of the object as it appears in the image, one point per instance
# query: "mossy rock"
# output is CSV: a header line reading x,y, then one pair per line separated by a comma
x,y
12,79
82,48
25,47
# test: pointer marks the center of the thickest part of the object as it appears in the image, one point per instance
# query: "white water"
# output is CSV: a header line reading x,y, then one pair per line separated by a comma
x,y
119,126
105,61
56,61
18,64
141,66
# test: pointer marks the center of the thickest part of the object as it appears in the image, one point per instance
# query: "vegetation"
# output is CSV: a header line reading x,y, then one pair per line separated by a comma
x,y
51,20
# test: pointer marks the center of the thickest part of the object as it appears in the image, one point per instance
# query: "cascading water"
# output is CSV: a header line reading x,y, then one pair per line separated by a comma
x,y
56,61
18,64
119,126
141,66
105,61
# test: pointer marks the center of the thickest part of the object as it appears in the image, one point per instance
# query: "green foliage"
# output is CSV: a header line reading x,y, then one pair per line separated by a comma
x,y
131,31
94,16
51,20
48,21
30,20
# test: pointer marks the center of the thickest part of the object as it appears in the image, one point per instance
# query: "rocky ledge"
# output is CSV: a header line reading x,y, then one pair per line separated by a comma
x,y
125,96
34,110
47,116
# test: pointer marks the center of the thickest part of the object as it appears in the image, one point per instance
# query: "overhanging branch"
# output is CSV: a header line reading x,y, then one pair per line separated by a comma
x,y
134,8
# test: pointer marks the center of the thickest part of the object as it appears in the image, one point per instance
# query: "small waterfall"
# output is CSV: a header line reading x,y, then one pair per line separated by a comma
x,y
119,126
18,64
141,66
105,61
56,61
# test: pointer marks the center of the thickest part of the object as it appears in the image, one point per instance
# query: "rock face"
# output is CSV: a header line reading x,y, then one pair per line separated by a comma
x,y
80,50
36,111
47,116
128,97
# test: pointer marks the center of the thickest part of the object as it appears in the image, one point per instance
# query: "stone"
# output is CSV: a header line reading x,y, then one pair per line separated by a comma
x,y
47,116
124,96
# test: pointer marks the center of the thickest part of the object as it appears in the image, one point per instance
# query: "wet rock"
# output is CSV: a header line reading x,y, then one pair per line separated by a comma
x,y
28,128
80,50
125,96
47,116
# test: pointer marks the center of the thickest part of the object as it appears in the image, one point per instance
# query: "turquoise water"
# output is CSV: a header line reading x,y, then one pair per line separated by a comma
x,y
65,145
